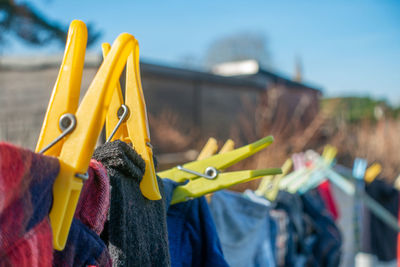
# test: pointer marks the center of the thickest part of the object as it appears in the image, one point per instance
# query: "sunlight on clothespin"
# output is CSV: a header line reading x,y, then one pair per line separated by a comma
x,y
79,127
220,161
133,128
65,95
200,187
206,175
372,172
228,146
269,186
209,149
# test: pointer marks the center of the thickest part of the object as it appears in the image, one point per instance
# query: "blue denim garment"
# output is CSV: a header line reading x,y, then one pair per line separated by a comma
x,y
273,229
244,229
273,224
193,239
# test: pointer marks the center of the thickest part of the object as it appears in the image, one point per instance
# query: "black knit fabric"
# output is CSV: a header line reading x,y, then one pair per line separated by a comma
x,y
383,238
136,231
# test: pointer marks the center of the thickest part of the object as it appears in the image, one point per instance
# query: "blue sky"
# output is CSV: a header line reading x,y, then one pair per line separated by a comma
x,y
348,47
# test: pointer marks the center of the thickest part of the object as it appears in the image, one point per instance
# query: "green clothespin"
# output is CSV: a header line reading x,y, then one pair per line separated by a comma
x,y
205,175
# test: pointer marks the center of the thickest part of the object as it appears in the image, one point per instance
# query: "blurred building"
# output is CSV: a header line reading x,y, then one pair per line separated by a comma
x,y
189,103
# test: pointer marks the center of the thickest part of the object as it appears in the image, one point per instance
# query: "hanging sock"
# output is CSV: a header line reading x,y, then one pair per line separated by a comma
x,y
136,232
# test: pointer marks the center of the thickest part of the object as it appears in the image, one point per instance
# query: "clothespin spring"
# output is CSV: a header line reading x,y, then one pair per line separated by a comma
x,y
67,125
122,117
210,173
122,114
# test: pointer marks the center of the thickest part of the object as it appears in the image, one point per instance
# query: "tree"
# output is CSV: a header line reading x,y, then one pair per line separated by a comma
x,y
32,27
239,46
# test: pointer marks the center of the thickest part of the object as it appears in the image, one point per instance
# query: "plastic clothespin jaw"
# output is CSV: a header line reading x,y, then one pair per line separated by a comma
x,y
116,115
318,173
134,127
228,146
271,190
65,95
359,168
210,169
329,154
209,149
200,187
219,162
77,147
372,172
59,123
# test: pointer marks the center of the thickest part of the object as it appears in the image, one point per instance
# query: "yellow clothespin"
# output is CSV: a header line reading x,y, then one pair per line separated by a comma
x,y
80,127
316,174
269,186
210,169
273,192
372,172
329,153
65,96
397,183
228,146
209,149
132,126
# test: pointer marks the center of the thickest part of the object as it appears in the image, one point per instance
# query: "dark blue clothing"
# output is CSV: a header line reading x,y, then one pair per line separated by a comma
x,y
299,249
192,236
383,238
84,247
327,240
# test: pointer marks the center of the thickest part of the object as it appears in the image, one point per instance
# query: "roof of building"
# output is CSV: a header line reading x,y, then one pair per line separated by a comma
x,y
240,79
252,69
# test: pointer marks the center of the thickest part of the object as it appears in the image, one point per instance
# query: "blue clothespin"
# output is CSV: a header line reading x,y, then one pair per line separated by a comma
x,y
359,168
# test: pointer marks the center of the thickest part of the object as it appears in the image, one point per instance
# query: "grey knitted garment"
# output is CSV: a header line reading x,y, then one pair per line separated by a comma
x,y
136,231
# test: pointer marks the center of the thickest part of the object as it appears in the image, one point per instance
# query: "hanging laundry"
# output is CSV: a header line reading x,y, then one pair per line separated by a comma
x,y
26,182
327,248
297,251
281,220
243,226
193,238
136,232
84,246
325,191
383,237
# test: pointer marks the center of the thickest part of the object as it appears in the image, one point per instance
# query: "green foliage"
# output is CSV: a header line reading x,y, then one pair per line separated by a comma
x,y
355,109
24,22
